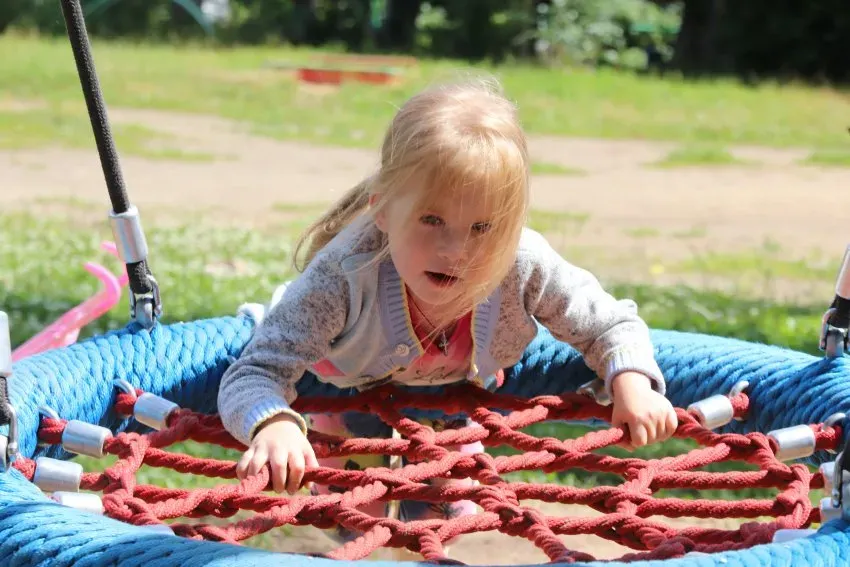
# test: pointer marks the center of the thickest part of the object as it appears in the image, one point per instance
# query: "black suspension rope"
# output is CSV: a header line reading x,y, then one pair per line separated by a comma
x,y
141,280
137,272
841,315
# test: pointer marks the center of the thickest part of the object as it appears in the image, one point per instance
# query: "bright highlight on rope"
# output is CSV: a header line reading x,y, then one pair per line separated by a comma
x,y
626,508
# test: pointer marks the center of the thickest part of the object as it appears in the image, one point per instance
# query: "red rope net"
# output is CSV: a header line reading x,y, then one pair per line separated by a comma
x,y
628,509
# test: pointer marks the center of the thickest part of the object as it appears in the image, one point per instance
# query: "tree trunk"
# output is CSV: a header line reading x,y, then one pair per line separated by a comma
x,y
698,48
399,29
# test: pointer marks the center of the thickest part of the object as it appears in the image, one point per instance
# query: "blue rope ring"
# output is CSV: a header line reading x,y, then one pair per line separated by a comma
x,y
184,363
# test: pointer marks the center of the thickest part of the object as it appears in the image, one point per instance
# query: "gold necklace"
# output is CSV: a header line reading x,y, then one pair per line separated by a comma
x,y
443,343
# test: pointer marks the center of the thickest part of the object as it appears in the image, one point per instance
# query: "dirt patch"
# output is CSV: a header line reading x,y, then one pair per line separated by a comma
x,y
9,104
637,217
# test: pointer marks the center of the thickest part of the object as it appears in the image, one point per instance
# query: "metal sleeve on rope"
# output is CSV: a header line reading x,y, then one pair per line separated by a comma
x,y
154,411
56,475
795,442
75,22
129,236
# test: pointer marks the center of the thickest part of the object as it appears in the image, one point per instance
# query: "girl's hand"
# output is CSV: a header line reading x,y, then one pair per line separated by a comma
x,y
649,416
281,443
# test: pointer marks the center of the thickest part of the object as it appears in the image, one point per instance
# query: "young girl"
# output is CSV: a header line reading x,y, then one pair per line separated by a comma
x,y
424,274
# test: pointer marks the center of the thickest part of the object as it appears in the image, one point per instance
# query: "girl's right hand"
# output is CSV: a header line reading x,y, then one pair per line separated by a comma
x,y
281,443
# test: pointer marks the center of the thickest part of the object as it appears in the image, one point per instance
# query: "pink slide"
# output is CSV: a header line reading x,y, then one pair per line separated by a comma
x,y
65,330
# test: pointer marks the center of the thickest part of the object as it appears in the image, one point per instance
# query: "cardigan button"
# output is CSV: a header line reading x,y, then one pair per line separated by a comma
x,y
402,349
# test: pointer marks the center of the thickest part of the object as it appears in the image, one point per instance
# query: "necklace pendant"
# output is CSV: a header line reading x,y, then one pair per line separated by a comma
x,y
444,343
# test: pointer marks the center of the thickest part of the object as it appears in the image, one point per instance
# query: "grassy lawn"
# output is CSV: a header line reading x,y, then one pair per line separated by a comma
x,y
40,90
69,128
546,168
829,158
699,155
225,266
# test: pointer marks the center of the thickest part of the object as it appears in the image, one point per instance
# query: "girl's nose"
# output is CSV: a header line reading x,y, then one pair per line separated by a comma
x,y
452,246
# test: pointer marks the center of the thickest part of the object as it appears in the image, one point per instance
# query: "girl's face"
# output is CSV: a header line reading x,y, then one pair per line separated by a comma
x,y
437,251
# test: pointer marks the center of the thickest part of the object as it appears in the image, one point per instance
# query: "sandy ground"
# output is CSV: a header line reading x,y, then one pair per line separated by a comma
x,y
630,217
493,548
721,209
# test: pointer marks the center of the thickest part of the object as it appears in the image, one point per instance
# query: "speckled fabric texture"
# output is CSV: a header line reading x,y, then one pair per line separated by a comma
x,y
348,311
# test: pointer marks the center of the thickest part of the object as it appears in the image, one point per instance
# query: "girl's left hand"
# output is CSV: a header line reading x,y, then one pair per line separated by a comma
x,y
648,415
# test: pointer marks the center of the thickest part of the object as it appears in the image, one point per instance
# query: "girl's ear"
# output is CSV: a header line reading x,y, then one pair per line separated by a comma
x,y
380,215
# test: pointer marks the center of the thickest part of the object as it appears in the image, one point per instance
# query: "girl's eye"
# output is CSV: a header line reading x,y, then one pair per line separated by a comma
x,y
431,220
480,227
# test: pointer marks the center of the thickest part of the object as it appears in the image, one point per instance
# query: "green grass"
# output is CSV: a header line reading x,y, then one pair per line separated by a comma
x,y
762,265
831,158
32,128
699,155
546,168
557,221
691,233
237,84
643,232
207,271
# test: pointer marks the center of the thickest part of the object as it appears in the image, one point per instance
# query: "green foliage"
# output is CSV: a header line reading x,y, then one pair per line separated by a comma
x,y
752,40
258,22
136,19
10,11
474,29
586,32
618,33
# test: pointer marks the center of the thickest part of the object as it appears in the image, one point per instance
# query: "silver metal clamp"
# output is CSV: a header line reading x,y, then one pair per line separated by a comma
x,y
8,444
839,501
596,390
717,410
834,341
146,308
834,337
132,248
9,449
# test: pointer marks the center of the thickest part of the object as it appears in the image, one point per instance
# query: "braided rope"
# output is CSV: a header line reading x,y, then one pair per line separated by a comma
x,y
626,507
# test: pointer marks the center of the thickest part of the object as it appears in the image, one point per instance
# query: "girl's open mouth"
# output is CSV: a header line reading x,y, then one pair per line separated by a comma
x,y
442,279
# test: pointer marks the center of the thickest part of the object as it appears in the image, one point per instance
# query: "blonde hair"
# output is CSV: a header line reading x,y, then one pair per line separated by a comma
x,y
455,137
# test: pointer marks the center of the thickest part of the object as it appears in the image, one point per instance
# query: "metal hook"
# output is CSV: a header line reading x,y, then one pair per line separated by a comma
x,y
832,421
124,386
738,388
